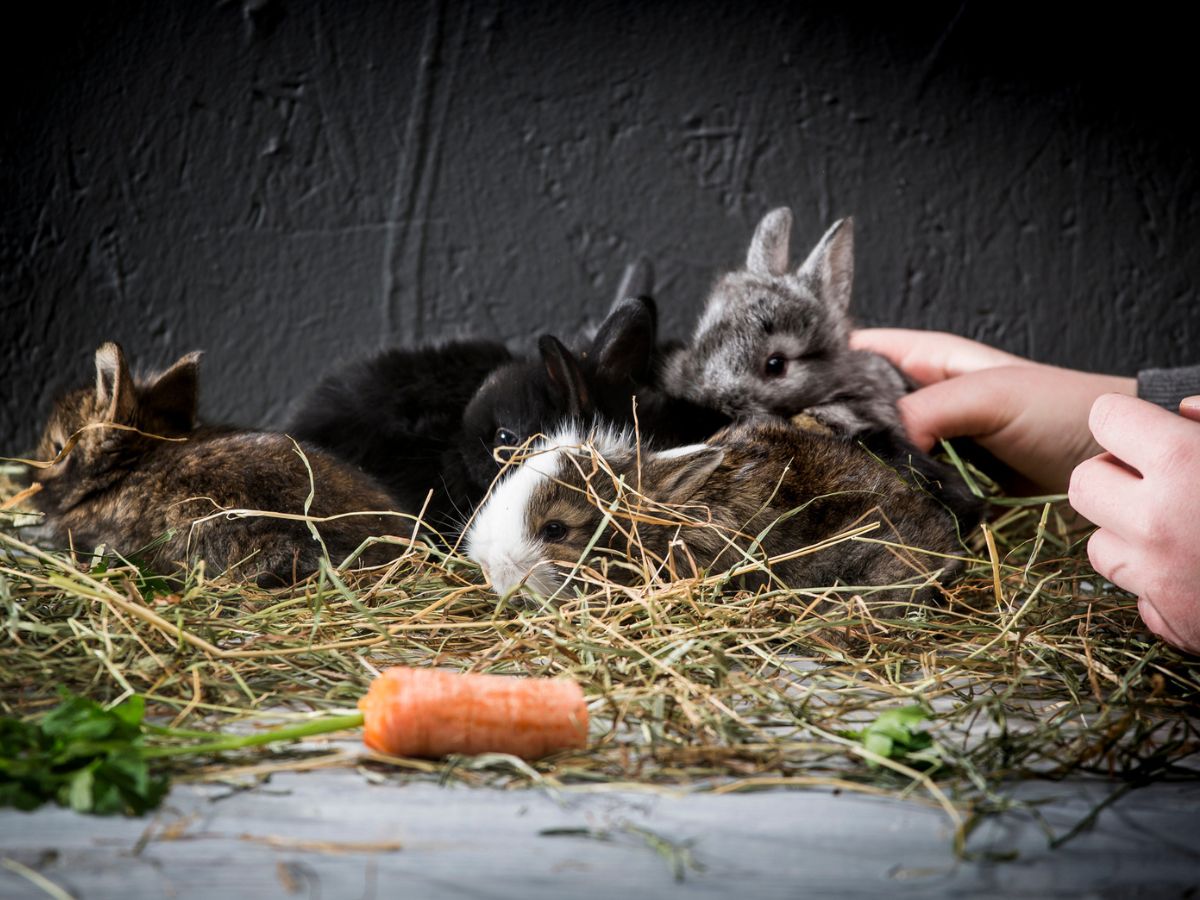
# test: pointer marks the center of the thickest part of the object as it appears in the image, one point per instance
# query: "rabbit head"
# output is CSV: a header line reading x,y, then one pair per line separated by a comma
x,y
772,339
516,402
94,434
523,399
540,520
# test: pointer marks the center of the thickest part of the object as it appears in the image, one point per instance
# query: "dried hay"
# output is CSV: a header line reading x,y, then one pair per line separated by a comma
x,y
1031,666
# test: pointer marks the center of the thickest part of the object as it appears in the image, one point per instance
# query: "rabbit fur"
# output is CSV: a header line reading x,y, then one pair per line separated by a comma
x,y
397,415
774,340
134,472
703,505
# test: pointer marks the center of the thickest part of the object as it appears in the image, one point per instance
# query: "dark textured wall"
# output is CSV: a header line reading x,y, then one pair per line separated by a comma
x,y
283,183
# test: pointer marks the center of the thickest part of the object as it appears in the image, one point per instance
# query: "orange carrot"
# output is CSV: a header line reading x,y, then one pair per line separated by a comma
x,y
431,713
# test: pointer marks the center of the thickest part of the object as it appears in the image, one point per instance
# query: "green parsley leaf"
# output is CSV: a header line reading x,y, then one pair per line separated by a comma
x,y
895,734
80,755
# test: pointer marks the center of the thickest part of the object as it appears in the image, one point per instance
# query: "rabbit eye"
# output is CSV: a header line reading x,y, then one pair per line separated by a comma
x,y
776,366
554,532
505,438
56,447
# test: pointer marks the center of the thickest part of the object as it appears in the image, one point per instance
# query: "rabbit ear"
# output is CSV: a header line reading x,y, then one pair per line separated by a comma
x,y
114,385
624,346
675,475
768,254
638,281
175,393
565,375
830,267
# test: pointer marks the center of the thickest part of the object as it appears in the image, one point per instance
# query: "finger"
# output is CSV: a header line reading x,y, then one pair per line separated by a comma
x,y
1138,433
931,356
975,405
1103,491
1189,408
1157,624
1110,556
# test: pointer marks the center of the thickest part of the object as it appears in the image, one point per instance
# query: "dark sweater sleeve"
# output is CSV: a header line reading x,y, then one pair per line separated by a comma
x,y
1166,387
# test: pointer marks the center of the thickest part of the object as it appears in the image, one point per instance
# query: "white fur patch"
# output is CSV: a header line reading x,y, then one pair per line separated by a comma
x,y
500,539
676,452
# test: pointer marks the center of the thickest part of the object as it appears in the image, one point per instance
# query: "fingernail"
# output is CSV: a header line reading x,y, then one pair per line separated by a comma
x,y
1191,404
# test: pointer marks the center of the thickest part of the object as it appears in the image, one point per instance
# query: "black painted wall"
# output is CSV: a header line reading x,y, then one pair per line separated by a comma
x,y
285,183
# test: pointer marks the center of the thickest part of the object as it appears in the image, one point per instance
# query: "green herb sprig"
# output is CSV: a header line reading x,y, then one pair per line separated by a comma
x,y
97,760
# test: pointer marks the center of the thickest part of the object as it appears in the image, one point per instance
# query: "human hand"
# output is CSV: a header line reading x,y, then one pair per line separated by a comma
x,y
1144,493
1030,416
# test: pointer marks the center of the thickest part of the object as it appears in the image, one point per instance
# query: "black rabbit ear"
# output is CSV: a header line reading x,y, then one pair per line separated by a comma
x,y
830,267
768,253
565,375
623,348
638,281
114,385
174,394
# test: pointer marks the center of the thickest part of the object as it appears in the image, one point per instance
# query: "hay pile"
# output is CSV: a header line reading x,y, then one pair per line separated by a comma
x,y
1033,667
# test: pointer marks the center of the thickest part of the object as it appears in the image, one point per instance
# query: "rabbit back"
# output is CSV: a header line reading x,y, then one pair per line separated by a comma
x,y
397,414
159,509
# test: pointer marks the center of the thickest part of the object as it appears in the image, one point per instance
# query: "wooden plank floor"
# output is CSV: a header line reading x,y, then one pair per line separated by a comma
x,y
331,834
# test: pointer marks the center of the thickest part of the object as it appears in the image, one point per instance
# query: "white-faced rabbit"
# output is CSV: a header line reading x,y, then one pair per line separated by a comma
x,y
397,415
771,481
137,474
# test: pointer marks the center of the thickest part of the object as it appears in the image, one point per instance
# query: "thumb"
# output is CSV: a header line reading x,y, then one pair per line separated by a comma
x,y
976,405
1189,408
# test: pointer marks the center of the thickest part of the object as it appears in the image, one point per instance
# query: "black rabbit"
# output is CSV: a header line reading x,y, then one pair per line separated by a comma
x,y
610,381
402,415
396,415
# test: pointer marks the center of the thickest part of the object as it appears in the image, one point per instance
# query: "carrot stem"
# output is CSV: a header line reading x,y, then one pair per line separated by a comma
x,y
240,741
165,731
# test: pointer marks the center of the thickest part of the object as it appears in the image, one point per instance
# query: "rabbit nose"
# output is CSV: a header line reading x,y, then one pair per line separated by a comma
x,y
504,575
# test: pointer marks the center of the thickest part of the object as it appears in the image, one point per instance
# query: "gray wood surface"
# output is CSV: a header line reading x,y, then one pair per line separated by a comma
x,y
306,835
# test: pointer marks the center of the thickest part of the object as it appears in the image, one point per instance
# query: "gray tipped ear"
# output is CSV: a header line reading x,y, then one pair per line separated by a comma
x,y
768,254
830,267
674,476
114,385
565,375
638,281
175,393
623,348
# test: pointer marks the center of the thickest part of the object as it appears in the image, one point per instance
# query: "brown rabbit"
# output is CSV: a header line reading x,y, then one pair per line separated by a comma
x,y
783,486
138,474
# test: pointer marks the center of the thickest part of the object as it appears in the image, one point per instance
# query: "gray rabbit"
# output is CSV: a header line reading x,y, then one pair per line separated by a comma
x,y
773,340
